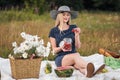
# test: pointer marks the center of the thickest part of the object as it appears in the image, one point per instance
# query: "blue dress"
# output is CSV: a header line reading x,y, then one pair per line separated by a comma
x,y
59,36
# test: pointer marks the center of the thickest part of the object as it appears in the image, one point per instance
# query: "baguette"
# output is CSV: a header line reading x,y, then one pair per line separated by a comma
x,y
108,53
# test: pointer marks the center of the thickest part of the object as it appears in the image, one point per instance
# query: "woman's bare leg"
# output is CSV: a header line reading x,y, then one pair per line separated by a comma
x,y
76,60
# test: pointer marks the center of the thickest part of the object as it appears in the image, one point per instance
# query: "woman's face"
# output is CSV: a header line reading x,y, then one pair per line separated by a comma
x,y
66,17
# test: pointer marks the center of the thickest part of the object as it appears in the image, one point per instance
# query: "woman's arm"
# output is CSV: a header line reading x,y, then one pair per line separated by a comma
x,y
53,43
77,38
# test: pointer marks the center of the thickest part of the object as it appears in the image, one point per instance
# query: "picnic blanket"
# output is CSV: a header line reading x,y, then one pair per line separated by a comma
x,y
96,59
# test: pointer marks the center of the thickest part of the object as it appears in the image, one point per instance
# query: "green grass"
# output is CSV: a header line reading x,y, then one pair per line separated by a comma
x,y
99,29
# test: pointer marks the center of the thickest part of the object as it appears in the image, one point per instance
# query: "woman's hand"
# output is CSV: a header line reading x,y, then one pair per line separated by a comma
x,y
66,46
77,31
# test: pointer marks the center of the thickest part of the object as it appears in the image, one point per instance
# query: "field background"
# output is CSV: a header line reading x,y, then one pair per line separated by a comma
x,y
99,30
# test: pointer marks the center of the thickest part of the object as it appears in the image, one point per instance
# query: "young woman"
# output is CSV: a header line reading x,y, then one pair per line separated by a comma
x,y
65,39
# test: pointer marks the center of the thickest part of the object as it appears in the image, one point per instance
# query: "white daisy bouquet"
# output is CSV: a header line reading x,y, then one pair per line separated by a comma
x,y
31,47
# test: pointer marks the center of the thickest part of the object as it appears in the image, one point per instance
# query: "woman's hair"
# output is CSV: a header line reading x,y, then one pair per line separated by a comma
x,y
59,21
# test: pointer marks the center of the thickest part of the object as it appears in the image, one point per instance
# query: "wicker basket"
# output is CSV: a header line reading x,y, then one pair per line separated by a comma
x,y
25,68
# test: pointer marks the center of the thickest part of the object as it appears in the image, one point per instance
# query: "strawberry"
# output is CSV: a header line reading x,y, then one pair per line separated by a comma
x,y
63,68
74,30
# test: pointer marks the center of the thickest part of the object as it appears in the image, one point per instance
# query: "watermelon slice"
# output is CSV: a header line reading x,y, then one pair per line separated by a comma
x,y
64,71
64,68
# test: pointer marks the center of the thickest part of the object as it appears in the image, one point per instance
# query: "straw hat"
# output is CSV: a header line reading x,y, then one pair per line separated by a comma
x,y
54,13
